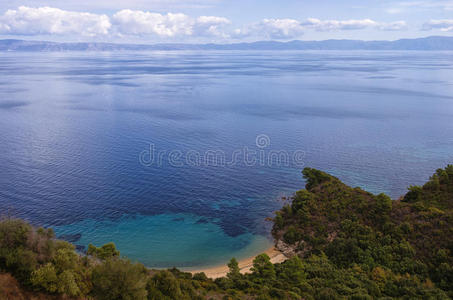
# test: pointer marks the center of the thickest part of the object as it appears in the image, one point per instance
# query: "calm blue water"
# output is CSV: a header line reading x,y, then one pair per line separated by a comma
x,y
77,129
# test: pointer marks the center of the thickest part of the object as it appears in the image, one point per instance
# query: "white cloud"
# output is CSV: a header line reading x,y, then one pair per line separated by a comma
x,y
290,29
211,26
329,25
281,28
212,20
48,20
272,29
442,25
135,22
54,21
138,23
129,22
393,26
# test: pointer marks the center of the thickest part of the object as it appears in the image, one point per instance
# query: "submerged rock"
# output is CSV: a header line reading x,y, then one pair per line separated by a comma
x,y
72,238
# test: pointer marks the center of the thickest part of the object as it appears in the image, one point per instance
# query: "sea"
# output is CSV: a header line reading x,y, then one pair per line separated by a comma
x,y
181,157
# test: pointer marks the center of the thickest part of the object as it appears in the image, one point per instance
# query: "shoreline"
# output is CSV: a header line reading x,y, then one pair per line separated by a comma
x,y
244,264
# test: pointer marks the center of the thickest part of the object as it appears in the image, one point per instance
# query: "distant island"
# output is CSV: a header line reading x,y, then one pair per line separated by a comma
x,y
433,43
342,243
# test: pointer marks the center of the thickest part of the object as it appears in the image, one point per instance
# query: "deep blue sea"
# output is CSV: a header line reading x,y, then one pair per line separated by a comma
x,y
178,157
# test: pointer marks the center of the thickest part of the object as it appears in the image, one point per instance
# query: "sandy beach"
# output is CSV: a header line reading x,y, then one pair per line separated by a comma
x,y
244,264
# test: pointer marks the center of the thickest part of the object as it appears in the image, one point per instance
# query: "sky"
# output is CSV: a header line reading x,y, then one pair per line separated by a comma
x,y
222,21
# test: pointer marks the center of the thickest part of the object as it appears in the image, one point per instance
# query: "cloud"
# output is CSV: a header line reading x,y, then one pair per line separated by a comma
x,y
330,25
442,25
211,26
393,26
272,29
54,21
141,23
48,20
135,22
138,23
212,20
289,28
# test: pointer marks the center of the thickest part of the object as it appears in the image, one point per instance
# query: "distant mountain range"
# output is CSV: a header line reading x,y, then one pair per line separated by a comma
x,y
425,44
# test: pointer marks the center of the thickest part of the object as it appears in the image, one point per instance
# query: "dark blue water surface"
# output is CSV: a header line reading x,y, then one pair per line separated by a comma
x,y
76,130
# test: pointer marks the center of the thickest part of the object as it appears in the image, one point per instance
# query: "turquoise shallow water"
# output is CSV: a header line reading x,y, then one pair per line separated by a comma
x,y
167,240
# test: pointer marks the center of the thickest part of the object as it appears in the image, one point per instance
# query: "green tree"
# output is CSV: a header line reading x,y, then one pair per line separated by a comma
x,y
292,272
234,271
263,269
118,279
164,285
414,194
67,284
45,278
65,259
104,252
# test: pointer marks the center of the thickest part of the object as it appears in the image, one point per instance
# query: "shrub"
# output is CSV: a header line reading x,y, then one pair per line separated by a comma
x,y
119,279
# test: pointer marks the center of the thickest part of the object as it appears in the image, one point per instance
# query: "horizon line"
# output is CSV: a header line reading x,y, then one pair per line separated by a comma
x,y
222,44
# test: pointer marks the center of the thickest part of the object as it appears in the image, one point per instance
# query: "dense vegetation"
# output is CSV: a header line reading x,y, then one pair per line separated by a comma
x,y
369,245
344,243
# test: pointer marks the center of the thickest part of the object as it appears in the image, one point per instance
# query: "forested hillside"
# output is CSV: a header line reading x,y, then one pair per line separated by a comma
x,y
343,243
382,247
